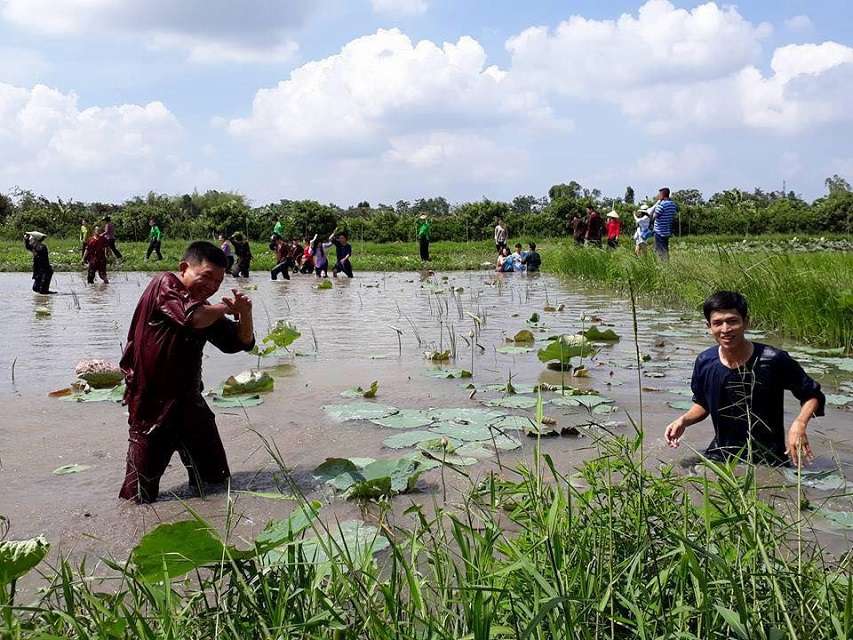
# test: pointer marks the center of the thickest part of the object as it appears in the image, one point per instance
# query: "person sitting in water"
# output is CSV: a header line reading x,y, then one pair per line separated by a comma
x,y
532,260
504,261
741,385
162,367
343,253
42,271
517,258
96,256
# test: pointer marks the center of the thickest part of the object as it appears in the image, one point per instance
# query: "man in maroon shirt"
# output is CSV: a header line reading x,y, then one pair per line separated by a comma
x,y
95,256
162,366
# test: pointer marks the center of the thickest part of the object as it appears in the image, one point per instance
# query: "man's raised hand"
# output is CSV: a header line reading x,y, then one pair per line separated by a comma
x,y
239,305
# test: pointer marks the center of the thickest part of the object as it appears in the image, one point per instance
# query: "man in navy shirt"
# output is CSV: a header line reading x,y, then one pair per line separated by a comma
x,y
343,252
741,385
663,216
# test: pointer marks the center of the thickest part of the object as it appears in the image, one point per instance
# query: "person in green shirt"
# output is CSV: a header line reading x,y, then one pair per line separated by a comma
x,y
423,237
84,238
154,237
278,229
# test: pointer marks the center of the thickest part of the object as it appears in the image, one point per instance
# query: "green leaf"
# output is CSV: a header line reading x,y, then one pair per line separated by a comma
x,y
514,349
513,402
733,620
171,550
248,382
564,348
282,336
464,432
67,469
681,405
437,356
359,411
278,532
525,336
534,318
116,394
405,419
842,519
237,402
822,479
324,286
17,557
352,539
450,373
597,335
358,392
585,400
838,399
407,439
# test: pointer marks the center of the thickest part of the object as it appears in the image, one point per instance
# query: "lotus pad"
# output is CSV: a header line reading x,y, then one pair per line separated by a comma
x,y
465,432
824,480
564,348
681,405
237,402
512,349
512,423
407,439
597,335
838,399
97,395
358,411
841,519
465,415
67,469
352,539
17,557
513,402
404,419
589,401
248,382
449,373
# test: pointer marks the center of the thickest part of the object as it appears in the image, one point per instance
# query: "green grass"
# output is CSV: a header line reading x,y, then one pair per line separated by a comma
x,y
804,295
616,551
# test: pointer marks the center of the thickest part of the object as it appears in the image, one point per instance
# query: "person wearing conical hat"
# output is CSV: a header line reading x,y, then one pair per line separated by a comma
x,y
614,226
42,271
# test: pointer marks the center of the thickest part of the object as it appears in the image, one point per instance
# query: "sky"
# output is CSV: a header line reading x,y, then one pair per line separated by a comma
x,y
385,100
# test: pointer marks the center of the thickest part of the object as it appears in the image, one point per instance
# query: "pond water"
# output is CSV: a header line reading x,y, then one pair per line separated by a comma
x,y
347,340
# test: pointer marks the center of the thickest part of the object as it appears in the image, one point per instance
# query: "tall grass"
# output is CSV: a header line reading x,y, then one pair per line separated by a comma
x,y
617,551
807,296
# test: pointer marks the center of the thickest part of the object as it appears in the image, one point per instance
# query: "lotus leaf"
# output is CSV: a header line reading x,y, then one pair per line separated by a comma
x,y
473,450
279,532
18,557
248,382
97,395
405,419
511,349
385,477
534,318
523,336
437,356
268,495
505,443
407,439
171,550
845,364
358,411
324,286
351,539
681,405
654,374
843,519
452,459
242,401
822,479
333,467
604,409
282,336
465,415
449,373
838,399
512,423
597,335
99,374
513,402
67,469
589,401
42,311
464,432
564,348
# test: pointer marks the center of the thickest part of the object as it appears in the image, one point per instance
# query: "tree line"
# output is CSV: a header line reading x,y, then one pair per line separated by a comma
x,y
204,215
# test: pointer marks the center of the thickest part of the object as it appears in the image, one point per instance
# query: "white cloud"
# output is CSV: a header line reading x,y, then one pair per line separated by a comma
x,y
681,166
662,44
799,24
404,7
384,85
48,139
207,30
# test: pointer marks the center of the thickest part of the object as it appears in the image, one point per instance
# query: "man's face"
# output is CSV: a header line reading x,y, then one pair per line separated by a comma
x,y
727,327
201,279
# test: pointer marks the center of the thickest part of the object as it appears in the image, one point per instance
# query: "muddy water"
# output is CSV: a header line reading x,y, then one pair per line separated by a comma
x,y
352,344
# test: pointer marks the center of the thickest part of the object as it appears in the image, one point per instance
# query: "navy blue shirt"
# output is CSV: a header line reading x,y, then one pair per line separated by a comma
x,y
342,250
751,398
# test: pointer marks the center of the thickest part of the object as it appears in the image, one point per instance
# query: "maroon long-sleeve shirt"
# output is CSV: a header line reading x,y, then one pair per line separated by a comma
x,y
162,359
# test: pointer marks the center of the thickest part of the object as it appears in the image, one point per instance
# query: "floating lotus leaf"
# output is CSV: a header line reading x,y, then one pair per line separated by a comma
x,y
597,335
241,401
513,402
838,399
512,349
505,443
473,450
451,459
512,423
534,318
116,394
604,409
465,415
823,479
358,392
437,356
268,495
449,373
352,539
842,519
358,411
564,348
18,557
282,335
99,374
385,477
465,432
248,382
331,468
324,286
68,469
171,550
818,351
405,419
844,364
654,374
681,405
407,439
589,401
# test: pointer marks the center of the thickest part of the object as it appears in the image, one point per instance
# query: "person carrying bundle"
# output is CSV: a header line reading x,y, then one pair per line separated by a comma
x,y
42,271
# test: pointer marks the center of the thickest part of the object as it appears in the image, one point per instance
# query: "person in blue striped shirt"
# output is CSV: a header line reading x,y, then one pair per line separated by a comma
x,y
663,217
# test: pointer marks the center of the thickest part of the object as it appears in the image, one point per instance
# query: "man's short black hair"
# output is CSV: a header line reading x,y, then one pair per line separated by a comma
x,y
723,301
532,246
518,245
204,251
664,191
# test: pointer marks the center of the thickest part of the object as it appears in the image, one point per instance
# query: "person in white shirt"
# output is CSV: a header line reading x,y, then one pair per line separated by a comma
x,y
643,231
501,236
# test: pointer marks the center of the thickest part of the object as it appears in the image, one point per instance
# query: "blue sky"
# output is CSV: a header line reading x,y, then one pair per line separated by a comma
x,y
381,100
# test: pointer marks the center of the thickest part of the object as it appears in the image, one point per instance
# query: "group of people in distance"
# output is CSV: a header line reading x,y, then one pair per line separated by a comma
x,y
290,255
655,221
519,260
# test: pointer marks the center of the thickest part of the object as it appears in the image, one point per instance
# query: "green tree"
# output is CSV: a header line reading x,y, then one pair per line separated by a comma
x,y
836,184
